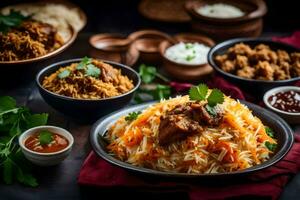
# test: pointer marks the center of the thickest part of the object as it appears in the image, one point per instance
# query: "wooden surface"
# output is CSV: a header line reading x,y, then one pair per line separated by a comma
x,y
60,182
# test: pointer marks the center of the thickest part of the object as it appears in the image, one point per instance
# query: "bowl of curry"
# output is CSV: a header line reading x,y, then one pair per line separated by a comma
x,y
46,145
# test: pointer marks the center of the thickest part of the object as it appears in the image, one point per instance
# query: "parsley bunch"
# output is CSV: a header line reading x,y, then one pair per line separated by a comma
x,y
13,19
13,121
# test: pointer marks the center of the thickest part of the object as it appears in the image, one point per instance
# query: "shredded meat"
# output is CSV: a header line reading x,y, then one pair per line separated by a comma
x,y
185,120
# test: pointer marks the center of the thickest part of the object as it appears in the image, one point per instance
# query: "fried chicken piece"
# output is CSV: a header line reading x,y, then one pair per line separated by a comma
x,y
241,61
295,69
295,57
264,55
281,73
220,59
283,56
228,66
261,47
246,72
264,71
240,49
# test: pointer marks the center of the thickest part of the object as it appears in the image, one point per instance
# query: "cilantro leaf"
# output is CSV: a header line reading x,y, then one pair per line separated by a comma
x,y
211,110
45,137
84,62
13,19
64,74
147,73
269,131
215,97
91,70
132,116
198,92
270,146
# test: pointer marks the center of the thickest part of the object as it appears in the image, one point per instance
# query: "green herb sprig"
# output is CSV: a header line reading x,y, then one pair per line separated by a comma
x,y
13,121
200,92
13,19
271,146
45,137
86,65
132,116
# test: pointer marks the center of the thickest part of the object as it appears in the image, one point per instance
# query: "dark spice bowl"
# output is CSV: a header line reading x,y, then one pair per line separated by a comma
x,y
291,118
86,109
185,72
248,25
256,87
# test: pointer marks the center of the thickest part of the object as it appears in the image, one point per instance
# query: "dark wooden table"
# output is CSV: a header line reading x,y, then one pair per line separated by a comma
x,y
60,182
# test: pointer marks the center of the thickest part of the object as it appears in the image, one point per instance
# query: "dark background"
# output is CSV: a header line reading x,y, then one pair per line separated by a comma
x,y
122,16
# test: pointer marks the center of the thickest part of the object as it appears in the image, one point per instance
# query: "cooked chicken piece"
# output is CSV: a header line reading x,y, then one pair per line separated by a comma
x,y
246,72
240,49
241,61
283,56
228,66
264,71
280,73
261,47
295,57
295,69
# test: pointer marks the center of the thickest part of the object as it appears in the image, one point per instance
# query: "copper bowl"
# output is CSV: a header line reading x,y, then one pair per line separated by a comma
x,y
249,25
147,43
28,62
186,72
114,47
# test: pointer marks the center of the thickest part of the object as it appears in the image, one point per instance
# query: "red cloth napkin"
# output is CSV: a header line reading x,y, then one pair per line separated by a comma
x,y
267,183
293,40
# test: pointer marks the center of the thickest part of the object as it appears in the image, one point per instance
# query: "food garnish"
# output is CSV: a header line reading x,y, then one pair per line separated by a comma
x,y
64,74
269,131
270,146
45,137
132,116
13,121
199,93
13,19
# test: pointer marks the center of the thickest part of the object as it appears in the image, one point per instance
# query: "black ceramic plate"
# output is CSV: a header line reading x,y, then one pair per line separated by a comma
x,y
259,86
283,134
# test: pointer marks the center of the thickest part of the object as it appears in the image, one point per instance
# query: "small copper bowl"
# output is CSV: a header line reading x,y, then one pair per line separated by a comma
x,y
186,72
249,25
114,47
147,43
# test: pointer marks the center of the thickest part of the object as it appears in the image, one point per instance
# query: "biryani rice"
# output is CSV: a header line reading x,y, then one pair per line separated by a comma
x,y
78,85
236,144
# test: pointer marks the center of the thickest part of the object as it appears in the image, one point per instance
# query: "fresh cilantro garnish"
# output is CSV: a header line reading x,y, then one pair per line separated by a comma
x,y
132,116
270,146
91,70
45,137
198,92
84,62
13,19
13,121
190,57
211,110
215,97
189,45
88,68
64,74
269,131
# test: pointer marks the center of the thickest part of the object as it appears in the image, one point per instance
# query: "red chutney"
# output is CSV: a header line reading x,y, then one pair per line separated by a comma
x,y
58,143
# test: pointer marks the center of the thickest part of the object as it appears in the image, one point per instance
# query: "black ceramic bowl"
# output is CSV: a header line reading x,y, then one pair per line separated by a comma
x,y
257,87
283,134
82,108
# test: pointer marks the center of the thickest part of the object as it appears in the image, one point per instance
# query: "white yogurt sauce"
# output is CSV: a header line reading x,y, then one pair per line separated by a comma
x,y
220,10
188,53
